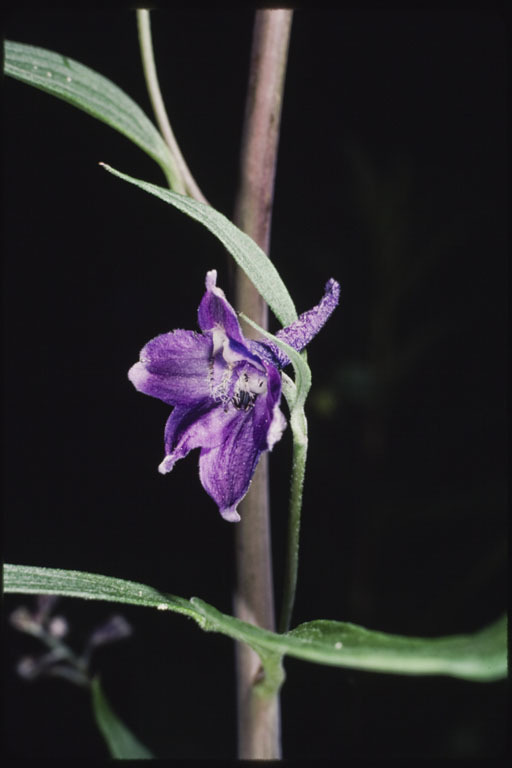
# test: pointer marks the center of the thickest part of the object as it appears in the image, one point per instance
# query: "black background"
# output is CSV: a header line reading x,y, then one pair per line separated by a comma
x,y
391,178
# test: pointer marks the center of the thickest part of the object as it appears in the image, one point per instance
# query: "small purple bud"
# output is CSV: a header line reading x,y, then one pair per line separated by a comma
x,y
22,620
31,667
114,629
27,668
58,627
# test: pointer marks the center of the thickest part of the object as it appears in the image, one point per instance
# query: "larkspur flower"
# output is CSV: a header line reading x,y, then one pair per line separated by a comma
x,y
225,390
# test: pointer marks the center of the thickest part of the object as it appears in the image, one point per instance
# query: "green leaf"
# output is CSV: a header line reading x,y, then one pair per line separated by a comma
x,y
90,586
244,250
122,744
480,656
86,89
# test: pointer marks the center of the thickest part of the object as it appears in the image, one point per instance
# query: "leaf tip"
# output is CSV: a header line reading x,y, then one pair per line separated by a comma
x,y
107,167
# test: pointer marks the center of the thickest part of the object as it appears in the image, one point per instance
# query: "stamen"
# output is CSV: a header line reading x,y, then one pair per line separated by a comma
x,y
247,389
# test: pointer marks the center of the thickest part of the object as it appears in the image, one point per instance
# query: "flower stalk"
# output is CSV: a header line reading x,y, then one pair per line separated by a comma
x,y
258,715
300,448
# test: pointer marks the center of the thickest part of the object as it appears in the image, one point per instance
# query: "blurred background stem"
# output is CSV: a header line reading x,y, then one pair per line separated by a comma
x,y
258,715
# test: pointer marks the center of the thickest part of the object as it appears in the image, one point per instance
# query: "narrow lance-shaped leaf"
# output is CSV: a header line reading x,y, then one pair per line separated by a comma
x,y
90,586
86,89
480,656
244,250
121,742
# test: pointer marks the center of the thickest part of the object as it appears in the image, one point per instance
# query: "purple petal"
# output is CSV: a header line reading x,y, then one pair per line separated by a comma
x,y
269,422
203,426
174,367
268,351
226,470
233,351
115,628
215,311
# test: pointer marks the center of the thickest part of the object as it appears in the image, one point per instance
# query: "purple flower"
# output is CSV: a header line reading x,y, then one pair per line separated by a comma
x,y
225,390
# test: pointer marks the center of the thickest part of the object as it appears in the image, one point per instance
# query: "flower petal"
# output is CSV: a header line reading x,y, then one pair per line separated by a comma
x,y
277,427
215,311
174,367
226,470
269,422
233,352
204,425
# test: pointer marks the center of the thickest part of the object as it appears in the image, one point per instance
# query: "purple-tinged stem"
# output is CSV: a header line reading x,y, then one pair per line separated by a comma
x,y
258,714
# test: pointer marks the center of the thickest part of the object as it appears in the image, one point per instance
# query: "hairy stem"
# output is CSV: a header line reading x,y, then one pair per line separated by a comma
x,y
258,715
148,63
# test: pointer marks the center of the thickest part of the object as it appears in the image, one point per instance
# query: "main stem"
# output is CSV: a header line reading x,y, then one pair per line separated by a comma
x,y
258,714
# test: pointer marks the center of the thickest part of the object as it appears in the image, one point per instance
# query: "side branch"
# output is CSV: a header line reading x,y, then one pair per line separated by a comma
x,y
157,102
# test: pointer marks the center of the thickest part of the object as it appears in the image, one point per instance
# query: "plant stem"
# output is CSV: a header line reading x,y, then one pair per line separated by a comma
x,y
300,447
157,102
258,715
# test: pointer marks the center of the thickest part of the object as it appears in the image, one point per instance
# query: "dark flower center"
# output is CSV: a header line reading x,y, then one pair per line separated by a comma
x,y
243,400
247,389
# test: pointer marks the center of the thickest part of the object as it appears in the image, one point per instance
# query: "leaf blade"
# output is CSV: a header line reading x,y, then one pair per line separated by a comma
x,y
244,250
89,586
121,742
480,656
91,92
